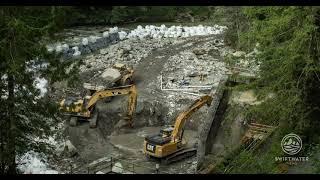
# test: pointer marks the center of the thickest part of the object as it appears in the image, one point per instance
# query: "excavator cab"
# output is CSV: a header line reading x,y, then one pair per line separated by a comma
x,y
159,139
166,132
71,104
69,101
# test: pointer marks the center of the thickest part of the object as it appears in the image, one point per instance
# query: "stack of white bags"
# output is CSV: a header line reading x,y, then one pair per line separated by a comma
x,y
149,31
158,32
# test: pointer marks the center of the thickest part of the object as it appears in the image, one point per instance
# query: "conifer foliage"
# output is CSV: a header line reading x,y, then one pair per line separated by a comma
x,y
25,64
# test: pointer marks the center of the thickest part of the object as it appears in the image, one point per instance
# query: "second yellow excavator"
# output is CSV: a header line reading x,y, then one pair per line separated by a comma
x,y
84,108
168,144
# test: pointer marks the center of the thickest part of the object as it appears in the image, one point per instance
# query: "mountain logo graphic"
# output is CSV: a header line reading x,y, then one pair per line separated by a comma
x,y
291,144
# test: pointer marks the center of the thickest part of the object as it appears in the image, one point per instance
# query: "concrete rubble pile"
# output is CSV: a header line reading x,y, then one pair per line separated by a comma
x,y
189,65
129,52
181,75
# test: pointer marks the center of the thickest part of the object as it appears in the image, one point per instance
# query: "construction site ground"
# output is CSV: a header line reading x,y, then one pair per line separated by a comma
x,y
156,106
92,144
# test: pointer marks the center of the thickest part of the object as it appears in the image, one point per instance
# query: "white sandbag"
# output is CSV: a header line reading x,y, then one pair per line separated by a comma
x,y
85,41
105,34
65,47
75,48
76,53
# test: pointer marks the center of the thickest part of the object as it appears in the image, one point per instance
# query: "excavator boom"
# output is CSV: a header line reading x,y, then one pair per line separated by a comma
x,y
118,91
181,119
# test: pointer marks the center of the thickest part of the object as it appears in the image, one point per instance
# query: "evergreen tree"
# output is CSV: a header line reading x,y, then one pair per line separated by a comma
x,y
25,114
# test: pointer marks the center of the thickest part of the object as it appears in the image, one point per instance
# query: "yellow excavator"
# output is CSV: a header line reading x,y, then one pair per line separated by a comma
x,y
168,144
84,108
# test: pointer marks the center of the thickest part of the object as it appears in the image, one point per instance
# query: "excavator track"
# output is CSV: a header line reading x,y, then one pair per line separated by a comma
x,y
180,155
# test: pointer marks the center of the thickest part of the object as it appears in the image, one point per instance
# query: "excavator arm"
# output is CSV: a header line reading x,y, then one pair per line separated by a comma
x,y
118,91
182,117
132,103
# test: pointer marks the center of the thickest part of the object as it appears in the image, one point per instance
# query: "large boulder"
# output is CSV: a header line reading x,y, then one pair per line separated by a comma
x,y
93,46
107,40
110,74
239,54
100,43
114,37
70,149
199,51
103,51
117,168
66,149
84,49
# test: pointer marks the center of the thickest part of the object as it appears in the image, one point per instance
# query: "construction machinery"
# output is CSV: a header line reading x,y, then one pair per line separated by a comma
x,y
169,145
84,108
117,75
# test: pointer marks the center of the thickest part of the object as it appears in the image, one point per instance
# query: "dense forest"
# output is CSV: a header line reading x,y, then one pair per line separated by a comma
x,y
288,40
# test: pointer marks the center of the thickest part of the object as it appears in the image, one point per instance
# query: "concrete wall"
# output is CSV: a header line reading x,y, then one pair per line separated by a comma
x,y
204,129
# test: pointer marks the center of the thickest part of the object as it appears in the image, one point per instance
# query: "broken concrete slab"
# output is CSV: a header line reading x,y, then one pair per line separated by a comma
x,y
239,53
66,149
117,168
111,74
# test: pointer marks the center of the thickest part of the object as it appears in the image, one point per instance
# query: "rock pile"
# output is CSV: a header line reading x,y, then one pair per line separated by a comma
x,y
129,52
192,73
200,66
94,43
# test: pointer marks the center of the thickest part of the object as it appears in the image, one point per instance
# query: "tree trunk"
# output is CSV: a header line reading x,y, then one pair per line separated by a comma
x,y
12,128
238,29
2,160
